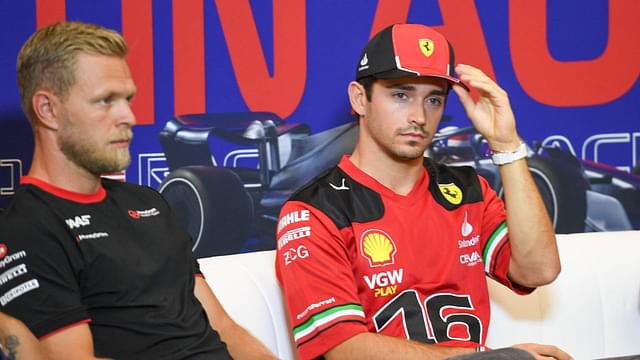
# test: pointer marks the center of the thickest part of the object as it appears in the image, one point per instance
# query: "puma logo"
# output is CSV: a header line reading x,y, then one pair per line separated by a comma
x,y
341,187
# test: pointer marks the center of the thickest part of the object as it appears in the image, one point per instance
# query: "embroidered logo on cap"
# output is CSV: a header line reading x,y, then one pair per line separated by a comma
x,y
364,63
426,46
364,60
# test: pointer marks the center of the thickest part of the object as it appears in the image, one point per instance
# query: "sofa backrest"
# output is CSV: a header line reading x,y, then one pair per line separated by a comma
x,y
592,310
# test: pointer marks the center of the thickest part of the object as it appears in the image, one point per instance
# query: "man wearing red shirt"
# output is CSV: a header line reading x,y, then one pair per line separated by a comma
x,y
390,246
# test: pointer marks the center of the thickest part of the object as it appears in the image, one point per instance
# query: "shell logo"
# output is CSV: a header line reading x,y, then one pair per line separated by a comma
x,y
377,247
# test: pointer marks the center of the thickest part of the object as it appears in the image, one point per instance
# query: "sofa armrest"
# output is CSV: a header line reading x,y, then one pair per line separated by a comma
x,y
591,310
246,286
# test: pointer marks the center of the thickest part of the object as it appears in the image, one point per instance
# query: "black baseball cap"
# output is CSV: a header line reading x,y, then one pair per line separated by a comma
x,y
402,50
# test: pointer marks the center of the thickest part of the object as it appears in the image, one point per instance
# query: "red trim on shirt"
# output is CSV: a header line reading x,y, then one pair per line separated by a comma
x,y
81,198
85,321
199,275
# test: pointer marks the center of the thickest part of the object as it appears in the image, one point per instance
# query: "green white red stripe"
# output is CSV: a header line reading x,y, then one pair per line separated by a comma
x,y
492,244
325,317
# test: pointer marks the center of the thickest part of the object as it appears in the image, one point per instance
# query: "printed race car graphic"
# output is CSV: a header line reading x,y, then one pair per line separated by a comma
x,y
234,209
580,195
230,209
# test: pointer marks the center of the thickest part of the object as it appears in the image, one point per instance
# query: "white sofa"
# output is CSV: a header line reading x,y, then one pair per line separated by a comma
x,y
592,310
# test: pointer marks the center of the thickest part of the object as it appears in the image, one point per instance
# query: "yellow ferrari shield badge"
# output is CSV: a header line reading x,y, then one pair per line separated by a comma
x,y
426,46
451,192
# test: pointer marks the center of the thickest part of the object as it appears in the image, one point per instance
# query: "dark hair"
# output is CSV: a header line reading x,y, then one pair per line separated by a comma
x,y
367,84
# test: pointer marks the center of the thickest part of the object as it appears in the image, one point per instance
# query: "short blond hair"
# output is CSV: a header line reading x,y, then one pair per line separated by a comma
x,y
48,58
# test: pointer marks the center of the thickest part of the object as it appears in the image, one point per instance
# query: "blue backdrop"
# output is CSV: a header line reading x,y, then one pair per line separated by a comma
x,y
570,67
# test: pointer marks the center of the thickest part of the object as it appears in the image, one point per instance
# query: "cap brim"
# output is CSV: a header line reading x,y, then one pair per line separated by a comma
x,y
395,73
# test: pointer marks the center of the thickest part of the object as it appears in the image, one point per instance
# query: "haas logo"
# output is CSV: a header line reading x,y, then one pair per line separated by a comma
x,y
78,221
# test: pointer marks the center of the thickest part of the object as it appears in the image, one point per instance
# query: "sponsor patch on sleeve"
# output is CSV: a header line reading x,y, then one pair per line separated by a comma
x,y
18,291
292,218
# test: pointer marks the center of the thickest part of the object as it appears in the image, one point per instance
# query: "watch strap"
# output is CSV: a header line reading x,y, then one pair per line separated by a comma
x,y
501,158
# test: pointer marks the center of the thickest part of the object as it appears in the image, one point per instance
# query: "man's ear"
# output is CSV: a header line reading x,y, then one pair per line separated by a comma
x,y
357,98
44,104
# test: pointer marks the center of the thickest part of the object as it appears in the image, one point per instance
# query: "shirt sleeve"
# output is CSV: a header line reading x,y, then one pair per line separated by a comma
x,y
313,268
496,253
38,283
196,269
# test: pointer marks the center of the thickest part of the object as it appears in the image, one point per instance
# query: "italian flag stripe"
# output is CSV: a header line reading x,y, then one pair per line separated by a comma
x,y
494,240
325,317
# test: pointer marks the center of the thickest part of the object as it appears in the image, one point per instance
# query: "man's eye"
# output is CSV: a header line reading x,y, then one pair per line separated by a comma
x,y
434,101
107,100
400,95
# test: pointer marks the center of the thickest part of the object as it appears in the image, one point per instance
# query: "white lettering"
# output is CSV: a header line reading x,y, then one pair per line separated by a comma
x,y
18,290
147,213
292,218
315,306
295,234
13,257
467,243
293,254
594,148
12,273
384,278
78,221
96,235
470,259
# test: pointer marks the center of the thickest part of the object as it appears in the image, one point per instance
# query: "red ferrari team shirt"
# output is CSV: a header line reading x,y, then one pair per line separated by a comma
x,y
353,256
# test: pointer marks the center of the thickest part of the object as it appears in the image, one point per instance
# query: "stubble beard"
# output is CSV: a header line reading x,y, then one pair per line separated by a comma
x,y
90,157
410,150
414,153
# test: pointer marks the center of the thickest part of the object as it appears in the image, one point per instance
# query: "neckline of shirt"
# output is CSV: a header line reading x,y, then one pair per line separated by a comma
x,y
82,198
416,193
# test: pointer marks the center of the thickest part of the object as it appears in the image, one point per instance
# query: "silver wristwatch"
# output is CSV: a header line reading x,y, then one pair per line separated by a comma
x,y
501,158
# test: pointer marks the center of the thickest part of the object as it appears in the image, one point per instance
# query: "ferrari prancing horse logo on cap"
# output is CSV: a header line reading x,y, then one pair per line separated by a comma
x,y
426,46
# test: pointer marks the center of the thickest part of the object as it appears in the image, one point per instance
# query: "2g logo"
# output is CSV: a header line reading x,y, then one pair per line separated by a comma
x,y
292,254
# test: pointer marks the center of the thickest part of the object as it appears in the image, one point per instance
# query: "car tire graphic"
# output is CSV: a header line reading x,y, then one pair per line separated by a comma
x,y
213,206
563,190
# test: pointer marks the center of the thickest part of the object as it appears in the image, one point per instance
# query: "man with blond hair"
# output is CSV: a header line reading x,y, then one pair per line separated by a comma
x,y
95,267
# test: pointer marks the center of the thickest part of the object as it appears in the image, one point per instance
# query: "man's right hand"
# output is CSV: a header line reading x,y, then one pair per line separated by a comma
x,y
540,351
368,346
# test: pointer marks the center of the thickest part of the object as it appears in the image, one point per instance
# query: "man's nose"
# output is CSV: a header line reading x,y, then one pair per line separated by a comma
x,y
125,114
418,115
